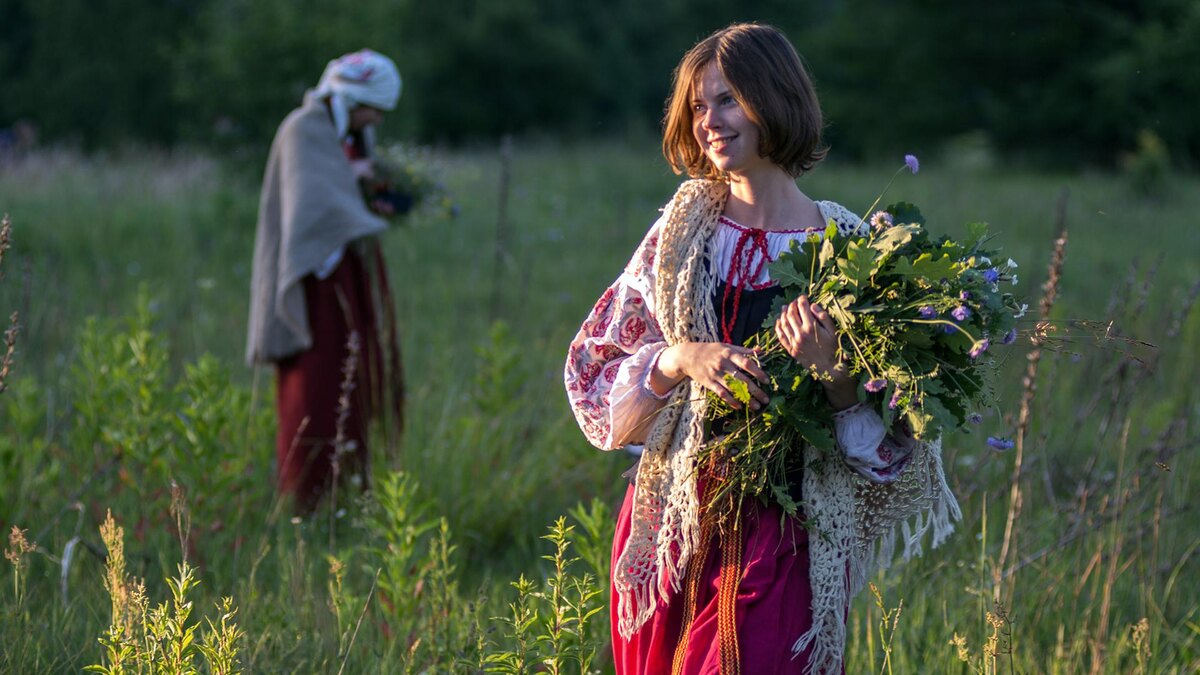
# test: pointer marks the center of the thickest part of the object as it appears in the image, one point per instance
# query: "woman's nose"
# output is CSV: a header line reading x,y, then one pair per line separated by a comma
x,y
710,120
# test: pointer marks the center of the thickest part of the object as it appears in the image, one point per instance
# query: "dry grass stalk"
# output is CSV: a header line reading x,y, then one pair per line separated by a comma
x,y
119,588
1029,383
5,233
10,335
1184,309
341,445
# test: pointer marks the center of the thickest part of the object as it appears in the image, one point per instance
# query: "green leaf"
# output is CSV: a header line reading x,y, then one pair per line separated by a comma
x,y
894,237
738,388
976,233
926,266
906,213
784,271
858,265
826,253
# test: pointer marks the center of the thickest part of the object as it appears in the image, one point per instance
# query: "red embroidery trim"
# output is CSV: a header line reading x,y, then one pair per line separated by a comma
x,y
738,226
740,275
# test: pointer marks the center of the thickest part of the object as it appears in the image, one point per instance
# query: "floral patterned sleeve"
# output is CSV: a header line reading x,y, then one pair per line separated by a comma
x,y
609,361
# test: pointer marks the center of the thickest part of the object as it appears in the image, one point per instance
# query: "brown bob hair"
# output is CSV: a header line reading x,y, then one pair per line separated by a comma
x,y
768,79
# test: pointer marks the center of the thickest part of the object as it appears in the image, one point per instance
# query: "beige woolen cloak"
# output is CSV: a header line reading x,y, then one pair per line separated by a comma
x,y
310,208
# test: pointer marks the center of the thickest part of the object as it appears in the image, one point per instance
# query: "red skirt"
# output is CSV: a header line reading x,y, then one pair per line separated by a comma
x,y
310,384
773,606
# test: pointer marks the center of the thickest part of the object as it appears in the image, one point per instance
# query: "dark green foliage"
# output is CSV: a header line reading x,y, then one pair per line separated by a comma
x,y
1056,82
92,71
1059,83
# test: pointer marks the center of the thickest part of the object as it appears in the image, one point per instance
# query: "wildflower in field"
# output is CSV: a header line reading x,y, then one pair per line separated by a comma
x,y
1010,338
978,348
961,313
975,418
991,275
1021,312
912,163
875,385
1001,444
963,295
927,312
1012,264
947,328
1014,280
895,399
881,220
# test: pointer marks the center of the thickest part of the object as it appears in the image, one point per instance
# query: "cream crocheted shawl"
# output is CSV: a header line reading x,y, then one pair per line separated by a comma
x,y
858,521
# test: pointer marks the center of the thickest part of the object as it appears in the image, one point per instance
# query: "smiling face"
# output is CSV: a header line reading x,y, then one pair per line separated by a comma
x,y
738,97
724,132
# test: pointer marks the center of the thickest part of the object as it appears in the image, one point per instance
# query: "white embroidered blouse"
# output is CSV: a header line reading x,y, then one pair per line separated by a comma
x,y
610,360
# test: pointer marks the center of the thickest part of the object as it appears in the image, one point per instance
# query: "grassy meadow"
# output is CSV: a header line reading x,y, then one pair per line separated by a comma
x,y
128,393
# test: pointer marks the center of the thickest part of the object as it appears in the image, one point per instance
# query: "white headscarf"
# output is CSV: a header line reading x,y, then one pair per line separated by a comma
x,y
364,77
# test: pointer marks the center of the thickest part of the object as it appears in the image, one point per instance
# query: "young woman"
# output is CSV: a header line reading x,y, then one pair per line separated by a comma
x,y
691,596
318,278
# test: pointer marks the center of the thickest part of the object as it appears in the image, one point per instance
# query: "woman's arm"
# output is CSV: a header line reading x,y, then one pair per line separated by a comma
x,y
809,335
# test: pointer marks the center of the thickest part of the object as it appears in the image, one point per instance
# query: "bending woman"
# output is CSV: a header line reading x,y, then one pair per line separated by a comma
x,y
319,299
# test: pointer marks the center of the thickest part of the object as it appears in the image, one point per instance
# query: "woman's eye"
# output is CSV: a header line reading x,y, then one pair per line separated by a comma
x,y
728,100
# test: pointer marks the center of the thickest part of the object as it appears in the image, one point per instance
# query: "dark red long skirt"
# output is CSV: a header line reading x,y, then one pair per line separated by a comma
x,y
773,606
310,384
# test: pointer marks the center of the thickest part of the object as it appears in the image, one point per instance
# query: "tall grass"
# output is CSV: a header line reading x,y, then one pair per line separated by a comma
x,y
105,413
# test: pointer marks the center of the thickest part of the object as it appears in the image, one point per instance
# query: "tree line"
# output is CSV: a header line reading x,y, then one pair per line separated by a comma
x,y
1060,82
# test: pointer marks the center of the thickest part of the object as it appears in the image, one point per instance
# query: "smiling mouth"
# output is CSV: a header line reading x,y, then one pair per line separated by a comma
x,y
719,144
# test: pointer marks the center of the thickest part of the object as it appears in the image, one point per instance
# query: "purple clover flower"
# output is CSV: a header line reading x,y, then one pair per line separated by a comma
x,y
964,296
961,313
975,418
875,385
895,399
991,275
911,162
881,220
927,312
978,348
1010,338
1000,443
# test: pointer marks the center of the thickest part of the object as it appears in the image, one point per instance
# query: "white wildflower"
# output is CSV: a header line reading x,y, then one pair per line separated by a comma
x,y
1021,313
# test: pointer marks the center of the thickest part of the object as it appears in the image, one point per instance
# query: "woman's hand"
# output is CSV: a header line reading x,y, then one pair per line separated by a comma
x,y
707,363
809,335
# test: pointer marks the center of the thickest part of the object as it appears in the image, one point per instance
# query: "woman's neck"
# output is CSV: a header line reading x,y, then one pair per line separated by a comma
x,y
770,200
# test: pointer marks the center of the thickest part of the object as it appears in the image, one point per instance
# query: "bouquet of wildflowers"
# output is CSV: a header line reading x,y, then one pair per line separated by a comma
x,y
916,317
407,179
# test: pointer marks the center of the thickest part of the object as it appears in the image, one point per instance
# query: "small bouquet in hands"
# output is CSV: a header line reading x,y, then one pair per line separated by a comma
x,y
405,182
916,316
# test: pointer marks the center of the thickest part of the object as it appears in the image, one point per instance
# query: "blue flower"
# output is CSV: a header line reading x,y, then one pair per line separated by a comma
x,y
964,296
948,328
961,313
927,312
978,348
975,418
912,163
1010,338
875,385
1000,443
991,275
